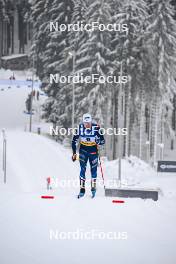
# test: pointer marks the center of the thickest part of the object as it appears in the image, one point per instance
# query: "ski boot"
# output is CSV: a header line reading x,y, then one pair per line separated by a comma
x,y
82,189
93,192
93,187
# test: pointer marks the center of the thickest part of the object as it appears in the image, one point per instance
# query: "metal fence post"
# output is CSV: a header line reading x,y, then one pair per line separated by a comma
x,y
4,160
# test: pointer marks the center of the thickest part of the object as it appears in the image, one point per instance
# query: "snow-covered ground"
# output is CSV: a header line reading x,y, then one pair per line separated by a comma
x,y
68,230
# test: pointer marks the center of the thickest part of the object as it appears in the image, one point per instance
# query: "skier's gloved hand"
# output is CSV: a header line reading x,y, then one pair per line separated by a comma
x,y
97,141
74,156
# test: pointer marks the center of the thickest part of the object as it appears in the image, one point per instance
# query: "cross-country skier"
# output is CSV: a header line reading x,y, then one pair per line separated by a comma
x,y
89,136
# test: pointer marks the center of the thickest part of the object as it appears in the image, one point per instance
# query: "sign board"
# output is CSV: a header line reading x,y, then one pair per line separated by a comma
x,y
133,193
166,166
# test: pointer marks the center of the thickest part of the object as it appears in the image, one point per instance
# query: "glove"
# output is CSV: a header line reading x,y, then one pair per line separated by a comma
x,y
97,141
74,156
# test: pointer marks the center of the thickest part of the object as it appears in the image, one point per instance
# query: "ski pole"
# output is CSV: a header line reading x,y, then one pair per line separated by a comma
x,y
102,174
101,168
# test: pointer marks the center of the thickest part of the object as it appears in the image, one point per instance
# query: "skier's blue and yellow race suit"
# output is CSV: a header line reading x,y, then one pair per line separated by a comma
x,y
89,139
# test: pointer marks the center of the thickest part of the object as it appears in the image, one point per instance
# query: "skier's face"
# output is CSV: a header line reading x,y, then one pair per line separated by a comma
x,y
87,125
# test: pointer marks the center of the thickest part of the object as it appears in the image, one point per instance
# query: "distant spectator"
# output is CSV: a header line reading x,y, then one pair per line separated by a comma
x,y
38,95
28,103
33,93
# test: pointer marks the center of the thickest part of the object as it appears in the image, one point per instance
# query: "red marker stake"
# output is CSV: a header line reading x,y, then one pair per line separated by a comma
x,y
47,197
118,201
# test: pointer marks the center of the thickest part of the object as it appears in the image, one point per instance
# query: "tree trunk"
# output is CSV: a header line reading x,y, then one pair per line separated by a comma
x,y
127,119
153,131
141,127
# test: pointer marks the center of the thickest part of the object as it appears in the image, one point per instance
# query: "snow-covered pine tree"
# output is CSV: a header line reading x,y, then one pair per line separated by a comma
x,y
161,40
94,59
54,63
128,49
2,17
77,47
2,9
39,39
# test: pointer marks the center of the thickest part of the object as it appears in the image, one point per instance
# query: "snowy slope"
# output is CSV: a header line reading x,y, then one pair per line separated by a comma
x,y
27,221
